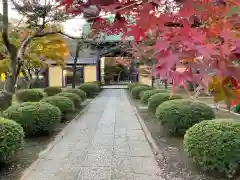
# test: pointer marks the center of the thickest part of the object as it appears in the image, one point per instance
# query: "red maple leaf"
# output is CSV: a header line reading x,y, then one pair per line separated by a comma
x,y
162,45
135,31
166,62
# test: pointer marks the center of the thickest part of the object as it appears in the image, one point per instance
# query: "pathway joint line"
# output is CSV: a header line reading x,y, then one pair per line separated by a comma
x,y
148,135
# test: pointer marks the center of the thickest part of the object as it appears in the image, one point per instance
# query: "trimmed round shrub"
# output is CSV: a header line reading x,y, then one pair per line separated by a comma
x,y
138,89
29,95
179,115
65,104
91,89
98,83
79,92
215,145
145,95
73,97
159,98
11,140
236,109
51,91
36,118
132,85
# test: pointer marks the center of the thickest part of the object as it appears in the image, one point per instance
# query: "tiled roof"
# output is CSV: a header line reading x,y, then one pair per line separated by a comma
x,y
84,60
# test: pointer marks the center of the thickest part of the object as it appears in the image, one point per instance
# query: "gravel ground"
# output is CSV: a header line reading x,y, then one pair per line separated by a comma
x,y
171,158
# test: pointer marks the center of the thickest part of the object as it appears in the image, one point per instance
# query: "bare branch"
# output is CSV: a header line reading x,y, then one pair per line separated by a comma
x,y
71,37
19,23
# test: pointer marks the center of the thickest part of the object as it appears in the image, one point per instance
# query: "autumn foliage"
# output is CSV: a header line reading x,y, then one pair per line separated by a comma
x,y
202,35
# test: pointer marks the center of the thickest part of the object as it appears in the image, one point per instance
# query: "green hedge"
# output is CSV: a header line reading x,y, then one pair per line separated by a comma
x,y
132,85
29,95
138,89
73,97
98,83
11,140
145,95
36,118
63,103
79,92
51,91
155,100
179,115
91,89
215,145
236,109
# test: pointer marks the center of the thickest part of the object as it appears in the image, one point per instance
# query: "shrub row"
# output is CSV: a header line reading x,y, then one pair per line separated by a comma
x,y
155,100
135,92
37,115
213,144
145,95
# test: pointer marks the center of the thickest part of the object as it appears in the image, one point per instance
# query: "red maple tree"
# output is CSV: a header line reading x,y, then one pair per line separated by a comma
x,y
202,35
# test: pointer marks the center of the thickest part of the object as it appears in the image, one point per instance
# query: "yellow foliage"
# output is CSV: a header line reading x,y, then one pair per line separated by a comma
x,y
51,47
4,65
224,89
3,76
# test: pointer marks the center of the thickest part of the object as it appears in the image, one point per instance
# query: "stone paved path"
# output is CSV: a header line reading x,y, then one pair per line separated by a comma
x,y
106,143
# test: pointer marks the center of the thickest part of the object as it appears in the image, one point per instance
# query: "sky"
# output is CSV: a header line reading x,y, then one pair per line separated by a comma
x,y
71,27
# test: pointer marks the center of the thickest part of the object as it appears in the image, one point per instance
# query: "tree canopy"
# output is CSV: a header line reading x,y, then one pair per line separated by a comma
x,y
200,34
40,50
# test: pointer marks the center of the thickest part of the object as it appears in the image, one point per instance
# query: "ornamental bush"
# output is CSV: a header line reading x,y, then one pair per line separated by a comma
x,y
215,145
63,103
236,109
138,89
29,95
91,89
11,139
98,83
132,85
159,98
36,118
79,92
73,97
179,115
145,95
51,91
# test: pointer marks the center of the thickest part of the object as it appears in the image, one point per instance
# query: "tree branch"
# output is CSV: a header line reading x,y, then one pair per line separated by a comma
x,y
58,32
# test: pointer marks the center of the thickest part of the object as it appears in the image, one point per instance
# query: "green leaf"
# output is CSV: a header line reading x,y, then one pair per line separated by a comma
x,y
234,10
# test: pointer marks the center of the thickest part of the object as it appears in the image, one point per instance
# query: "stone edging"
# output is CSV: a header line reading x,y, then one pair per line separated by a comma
x,y
148,135
56,139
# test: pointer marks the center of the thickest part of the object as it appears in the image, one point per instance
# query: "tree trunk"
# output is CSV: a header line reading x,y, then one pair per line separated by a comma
x,y
74,77
27,79
165,83
11,77
75,65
